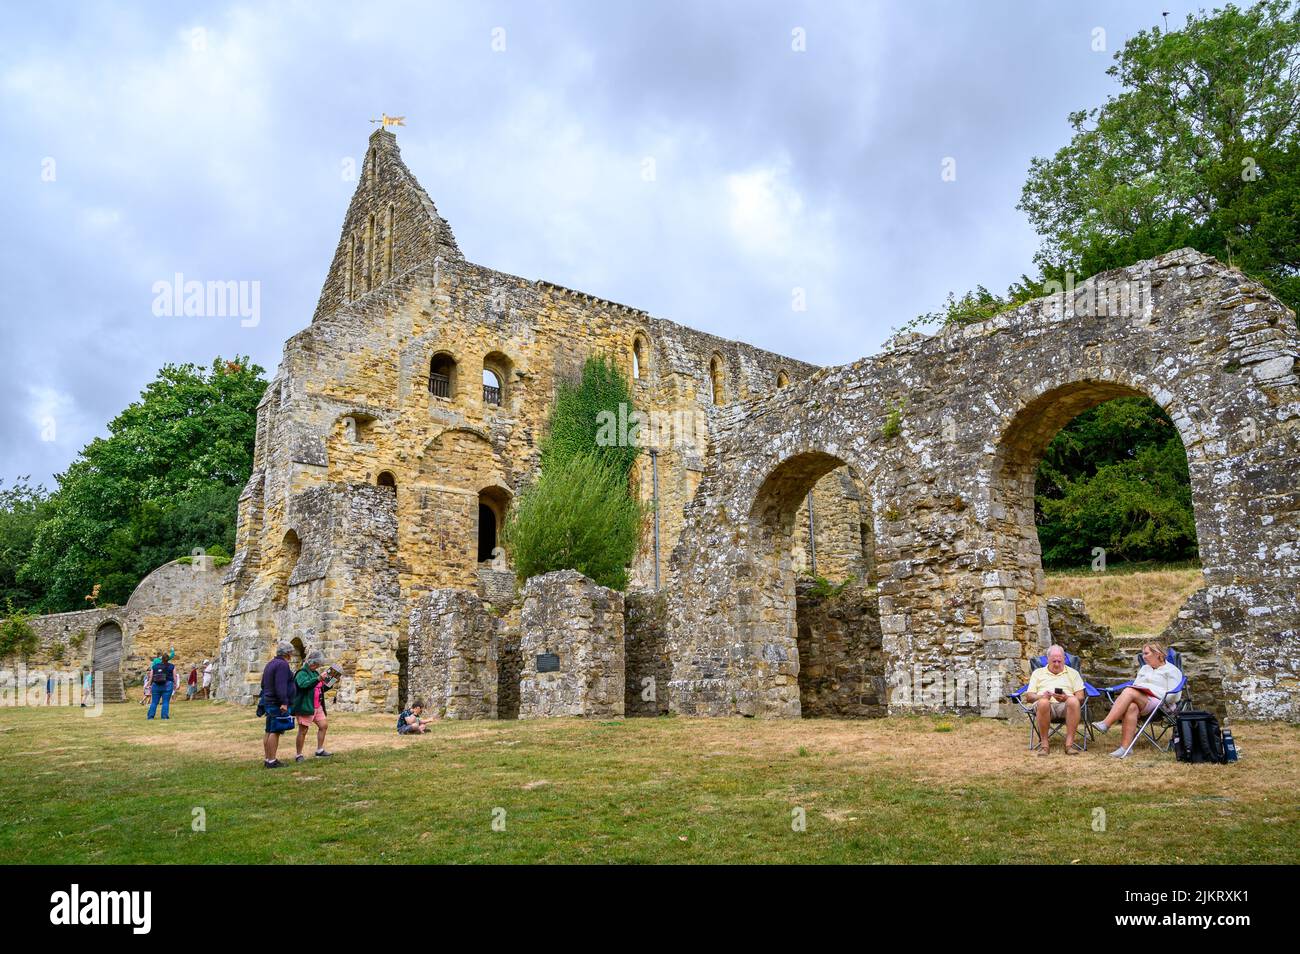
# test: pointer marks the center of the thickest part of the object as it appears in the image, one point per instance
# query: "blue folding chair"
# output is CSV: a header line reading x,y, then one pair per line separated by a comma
x,y
1057,724
1163,719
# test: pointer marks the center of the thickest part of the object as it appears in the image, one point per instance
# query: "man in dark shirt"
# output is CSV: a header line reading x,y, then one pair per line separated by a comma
x,y
277,695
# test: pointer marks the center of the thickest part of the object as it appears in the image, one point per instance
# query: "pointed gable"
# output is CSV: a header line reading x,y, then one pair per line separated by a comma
x,y
390,227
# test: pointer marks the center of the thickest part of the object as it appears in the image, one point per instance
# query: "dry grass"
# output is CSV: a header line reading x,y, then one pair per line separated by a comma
x,y
1131,604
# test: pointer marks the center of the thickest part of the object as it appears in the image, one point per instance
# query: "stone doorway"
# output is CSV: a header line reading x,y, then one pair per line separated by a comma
x,y
107,660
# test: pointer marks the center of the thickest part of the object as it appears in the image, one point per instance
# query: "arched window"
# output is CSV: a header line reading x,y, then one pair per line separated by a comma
x,y
285,560
640,351
388,242
372,277
716,376
352,269
782,379
442,375
496,378
493,502
386,479
491,387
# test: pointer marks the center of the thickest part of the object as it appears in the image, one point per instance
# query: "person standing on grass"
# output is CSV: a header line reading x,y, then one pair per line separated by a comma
x,y
207,678
49,688
277,697
309,704
192,683
87,687
162,682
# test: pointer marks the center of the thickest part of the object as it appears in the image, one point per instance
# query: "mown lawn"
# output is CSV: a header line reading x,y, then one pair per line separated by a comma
x,y
120,789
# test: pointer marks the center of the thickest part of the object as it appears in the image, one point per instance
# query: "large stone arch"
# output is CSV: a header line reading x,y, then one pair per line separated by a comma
x,y
948,428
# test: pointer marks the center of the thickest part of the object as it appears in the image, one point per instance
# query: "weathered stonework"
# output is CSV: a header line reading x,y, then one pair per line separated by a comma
x,y
842,664
945,433
177,606
385,386
919,462
568,615
648,666
453,656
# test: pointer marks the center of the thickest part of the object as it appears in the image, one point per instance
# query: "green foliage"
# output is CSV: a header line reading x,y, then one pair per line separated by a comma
x,y
1115,477
57,652
584,411
22,508
823,588
17,638
164,481
1200,147
77,639
578,515
893,421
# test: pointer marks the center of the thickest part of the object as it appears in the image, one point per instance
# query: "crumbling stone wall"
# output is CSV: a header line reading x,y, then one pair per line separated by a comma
x,y
353,402
841,662
648,667
452,656
946,432
566,614
177,606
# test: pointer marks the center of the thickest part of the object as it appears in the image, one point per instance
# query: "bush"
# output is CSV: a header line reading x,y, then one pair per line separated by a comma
x,y
578,515
16,634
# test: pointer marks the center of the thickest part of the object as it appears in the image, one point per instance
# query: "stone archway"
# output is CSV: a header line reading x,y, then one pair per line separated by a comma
x,y
946,429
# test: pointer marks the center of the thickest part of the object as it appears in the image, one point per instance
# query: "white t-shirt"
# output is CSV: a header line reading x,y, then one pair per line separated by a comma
x,y
1160,681
207,674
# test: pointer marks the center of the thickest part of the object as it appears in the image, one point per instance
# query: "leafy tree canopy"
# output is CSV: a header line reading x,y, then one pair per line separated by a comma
x,y
164,481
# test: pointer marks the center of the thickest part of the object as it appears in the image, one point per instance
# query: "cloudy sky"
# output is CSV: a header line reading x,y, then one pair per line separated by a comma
x,y
684,158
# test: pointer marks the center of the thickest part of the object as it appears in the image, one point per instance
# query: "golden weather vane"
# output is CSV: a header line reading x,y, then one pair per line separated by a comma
x,y
386,120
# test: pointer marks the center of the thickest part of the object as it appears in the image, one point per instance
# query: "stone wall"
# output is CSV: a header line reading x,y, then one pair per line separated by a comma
x,y
452,656
648,667
177,606
566,614
841,663
946,432
353,401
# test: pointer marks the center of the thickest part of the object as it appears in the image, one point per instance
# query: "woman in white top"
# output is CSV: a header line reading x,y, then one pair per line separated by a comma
x,y
1156,678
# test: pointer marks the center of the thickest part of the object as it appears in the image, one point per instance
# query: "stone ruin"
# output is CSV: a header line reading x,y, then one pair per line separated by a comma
x,y
403,420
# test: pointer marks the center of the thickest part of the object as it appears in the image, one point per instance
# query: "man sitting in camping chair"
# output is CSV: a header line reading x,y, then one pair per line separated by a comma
x,y
1056,693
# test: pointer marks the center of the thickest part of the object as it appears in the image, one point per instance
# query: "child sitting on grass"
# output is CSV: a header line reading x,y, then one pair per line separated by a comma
x,y
409,722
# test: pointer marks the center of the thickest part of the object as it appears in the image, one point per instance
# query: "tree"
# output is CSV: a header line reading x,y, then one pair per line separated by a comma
x,y
1201,147
165,480
581,513
578,515
22,507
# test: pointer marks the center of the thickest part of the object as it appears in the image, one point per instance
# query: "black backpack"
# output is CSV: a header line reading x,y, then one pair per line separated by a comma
x,y
160,674
1198,738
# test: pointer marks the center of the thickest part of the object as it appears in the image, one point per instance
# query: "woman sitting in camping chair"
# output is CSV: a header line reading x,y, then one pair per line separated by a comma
x,y
1154,685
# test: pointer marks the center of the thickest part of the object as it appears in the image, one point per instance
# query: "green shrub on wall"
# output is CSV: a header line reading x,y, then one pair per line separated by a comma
x,y
578,515
17,638
581,513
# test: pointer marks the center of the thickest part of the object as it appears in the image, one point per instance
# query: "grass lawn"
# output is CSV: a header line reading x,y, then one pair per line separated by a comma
x,y
120,789
1131,599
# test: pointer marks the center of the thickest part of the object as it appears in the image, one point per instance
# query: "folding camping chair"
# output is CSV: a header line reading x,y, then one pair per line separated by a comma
x,y
1163,719
1057,724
